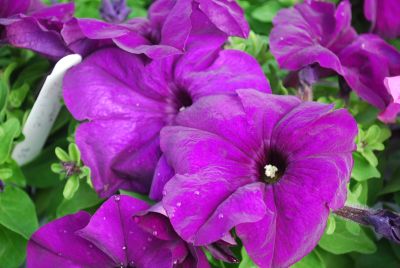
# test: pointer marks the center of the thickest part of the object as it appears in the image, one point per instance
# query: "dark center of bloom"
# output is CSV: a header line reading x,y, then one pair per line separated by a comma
x,y
183,99
273,169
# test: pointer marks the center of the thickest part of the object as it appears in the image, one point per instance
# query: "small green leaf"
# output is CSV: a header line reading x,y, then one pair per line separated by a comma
x,y
342,241
5,173
266,12
71,187
3,96
362,169
12,248
312,260
17,211
330,225
84,198
370,157
74,153
62,155
17,176
10,130
56,168
246,261
18,95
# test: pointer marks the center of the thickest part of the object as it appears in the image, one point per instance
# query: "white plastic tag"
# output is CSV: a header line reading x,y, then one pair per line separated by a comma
x,y
44,112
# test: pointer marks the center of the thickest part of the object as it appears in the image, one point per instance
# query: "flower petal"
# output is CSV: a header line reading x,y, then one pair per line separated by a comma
x,y
56,244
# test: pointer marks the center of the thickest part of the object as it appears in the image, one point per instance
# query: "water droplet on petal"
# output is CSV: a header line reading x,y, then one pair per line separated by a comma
x,y
155,233
178,204
144,248
281,38
220,216
124,248
104,218
117,197
65,231
175,261
164,192
137,104
197,192
363,45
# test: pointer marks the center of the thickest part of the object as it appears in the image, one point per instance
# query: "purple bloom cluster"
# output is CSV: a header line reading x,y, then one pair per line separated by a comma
x,y
165,110
316,32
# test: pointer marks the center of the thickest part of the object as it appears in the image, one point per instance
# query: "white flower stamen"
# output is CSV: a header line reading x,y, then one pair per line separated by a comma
x,y
270,171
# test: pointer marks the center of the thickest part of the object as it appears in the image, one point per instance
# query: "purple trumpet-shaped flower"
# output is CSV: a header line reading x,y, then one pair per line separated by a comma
x,y
1,186
384,17
127,100
170,27
314,34
112,238
367,62
385,222
32,25
311,32
269,166
114,11
392,85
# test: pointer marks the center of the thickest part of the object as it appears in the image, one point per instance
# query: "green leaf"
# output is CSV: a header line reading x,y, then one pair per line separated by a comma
x,y
17,211
330,225
266,12
84,198
342,241
74,153
3,96
362,169
336,261
10,130
18,95
71,187
246,261
384,257
370,157
62,155
17,176
12,248
312,260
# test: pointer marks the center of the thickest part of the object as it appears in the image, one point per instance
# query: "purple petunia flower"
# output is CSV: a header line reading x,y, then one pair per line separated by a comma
x,y
114,11
32,25
112,238
311,32
392,85
384,17
127,101
366,63
158,36
270,166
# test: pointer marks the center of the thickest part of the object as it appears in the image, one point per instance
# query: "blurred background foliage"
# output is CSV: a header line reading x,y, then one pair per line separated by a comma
x,y
56,183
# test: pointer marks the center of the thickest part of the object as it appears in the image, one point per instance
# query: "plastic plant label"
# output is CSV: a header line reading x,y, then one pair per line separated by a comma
x,y
44,112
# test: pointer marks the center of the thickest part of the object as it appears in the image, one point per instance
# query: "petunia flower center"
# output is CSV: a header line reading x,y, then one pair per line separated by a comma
x,y
274,168
271,171
183,99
